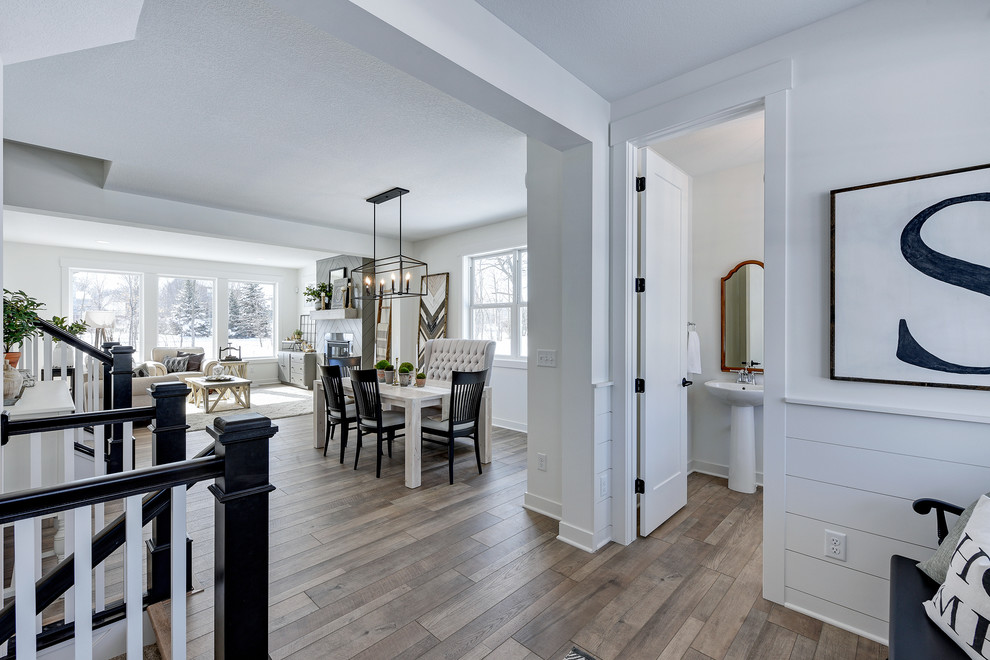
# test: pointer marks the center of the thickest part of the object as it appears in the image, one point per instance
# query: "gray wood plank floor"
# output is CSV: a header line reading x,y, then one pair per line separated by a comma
x,y
366,568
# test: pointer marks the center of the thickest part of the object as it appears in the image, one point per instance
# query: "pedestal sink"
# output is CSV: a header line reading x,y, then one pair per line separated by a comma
x,y
743,397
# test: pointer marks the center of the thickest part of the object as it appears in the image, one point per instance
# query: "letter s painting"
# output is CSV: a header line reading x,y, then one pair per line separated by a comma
x,y
911,281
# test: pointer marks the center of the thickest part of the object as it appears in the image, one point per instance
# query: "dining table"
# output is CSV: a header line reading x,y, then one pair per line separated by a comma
x,y
412,400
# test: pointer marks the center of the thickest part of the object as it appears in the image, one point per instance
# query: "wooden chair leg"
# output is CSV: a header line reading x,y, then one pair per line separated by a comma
x,y
378,468
326,436
450,459
357,447
391,436
477,451
343,439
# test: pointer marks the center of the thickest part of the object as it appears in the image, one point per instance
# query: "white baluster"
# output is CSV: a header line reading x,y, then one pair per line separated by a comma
x,y
178,544
79,368
100,469
128,446
35,481
68,519
82,602
132,577
46,357
24,561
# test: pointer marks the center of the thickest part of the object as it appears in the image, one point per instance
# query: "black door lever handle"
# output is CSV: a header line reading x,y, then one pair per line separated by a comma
x,y
686,383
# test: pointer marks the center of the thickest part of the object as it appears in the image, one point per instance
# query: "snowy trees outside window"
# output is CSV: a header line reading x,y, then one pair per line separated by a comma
x,y
119,293
185,313
250,318
499,293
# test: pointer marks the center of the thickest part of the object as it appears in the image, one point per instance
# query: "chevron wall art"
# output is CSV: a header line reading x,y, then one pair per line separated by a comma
x,y
432,310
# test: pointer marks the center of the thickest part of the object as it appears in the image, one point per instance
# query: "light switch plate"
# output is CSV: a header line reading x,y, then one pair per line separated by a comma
x,y
546,358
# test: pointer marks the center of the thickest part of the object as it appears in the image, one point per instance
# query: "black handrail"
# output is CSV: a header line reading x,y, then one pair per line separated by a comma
x,y
73,341
75,421
61,578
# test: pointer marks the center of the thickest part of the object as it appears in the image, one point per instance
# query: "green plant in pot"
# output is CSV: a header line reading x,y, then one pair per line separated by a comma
x,y
20,311
381,366
406,371
420,379
75,328
319,294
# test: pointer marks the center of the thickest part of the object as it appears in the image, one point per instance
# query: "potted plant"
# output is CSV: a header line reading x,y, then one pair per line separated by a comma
x,y
297,335
406,371
319,294
389,374
381,366
20,311
420,379
75,328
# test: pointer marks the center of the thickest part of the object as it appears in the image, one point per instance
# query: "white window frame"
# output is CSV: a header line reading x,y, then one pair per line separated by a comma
x,y
514,306
216,302
69,306
275,332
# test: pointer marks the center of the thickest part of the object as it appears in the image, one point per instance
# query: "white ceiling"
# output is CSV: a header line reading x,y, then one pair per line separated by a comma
x,y
234,104
20,227
715,148
619,47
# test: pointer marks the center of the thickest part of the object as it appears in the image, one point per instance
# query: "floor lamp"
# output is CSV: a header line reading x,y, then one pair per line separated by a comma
x,y
101,321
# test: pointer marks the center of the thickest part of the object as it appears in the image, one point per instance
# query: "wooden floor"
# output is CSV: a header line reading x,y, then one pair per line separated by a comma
x,y
365,568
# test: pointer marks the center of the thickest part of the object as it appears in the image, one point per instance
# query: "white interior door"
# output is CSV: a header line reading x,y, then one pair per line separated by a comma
x,y
664,209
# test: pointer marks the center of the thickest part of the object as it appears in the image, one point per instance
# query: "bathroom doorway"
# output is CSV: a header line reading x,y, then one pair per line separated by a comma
x,y
682,427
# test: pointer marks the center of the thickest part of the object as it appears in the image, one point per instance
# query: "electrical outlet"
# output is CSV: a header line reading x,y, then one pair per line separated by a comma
x,y
835,545
546,358
541,462
603,486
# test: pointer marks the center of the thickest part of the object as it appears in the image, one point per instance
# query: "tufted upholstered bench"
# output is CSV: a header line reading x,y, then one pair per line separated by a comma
x,y
442,356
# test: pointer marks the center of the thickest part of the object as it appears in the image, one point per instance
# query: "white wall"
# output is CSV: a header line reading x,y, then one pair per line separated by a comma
x,y
885,90
40,270
447,254
727,228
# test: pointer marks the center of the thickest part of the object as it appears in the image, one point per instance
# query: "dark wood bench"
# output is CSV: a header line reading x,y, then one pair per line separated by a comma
x,y
912,635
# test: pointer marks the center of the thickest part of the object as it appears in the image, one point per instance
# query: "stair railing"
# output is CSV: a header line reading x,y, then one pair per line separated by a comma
x,y
240,467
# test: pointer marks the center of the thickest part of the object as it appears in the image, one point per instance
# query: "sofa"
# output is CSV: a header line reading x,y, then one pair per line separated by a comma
x,y
157,372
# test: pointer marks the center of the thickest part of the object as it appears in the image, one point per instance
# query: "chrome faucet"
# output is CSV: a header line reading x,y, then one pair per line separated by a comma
x,y
744,376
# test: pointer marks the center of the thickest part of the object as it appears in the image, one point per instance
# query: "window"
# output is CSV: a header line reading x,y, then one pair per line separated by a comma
x,y
185,313
250,319
119,293
499,293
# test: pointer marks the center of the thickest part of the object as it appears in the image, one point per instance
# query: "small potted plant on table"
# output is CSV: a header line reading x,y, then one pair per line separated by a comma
x,y
381,366
420,379
406,371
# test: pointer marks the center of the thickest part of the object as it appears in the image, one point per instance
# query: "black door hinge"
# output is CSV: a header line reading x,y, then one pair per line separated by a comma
x,y
639,284
640,183
639,386
640,487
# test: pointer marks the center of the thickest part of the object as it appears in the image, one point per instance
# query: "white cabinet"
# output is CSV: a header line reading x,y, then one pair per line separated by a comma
x,y
297,368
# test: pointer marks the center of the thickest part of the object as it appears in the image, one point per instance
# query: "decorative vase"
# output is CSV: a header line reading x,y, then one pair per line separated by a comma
x,y
405,378
217,370
12,381
420,382
389,377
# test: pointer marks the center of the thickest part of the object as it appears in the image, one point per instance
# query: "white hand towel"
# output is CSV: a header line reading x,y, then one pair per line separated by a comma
x,y
693,353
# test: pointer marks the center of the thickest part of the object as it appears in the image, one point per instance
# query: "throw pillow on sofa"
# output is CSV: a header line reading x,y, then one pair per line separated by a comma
x,y
176,364
195,360
961,606
141,370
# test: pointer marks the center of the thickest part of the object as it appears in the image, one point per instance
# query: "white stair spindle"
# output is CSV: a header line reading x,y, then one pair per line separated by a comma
x,y
128,446
178,544
83,583
132,577
68,517
35,481
46,356
99,469
24,561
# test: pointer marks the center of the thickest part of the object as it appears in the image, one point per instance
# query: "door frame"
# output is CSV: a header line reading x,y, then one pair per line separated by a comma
x,y
766,87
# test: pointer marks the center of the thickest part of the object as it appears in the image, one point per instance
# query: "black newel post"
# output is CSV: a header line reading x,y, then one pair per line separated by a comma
x,y
168,445
122,376
241,561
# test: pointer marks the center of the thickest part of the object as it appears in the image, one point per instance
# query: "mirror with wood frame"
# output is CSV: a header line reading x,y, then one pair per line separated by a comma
x,y
742,317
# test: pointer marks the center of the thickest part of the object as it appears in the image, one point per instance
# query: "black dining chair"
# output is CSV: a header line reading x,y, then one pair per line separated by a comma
x,y
339,412
370,417
466,389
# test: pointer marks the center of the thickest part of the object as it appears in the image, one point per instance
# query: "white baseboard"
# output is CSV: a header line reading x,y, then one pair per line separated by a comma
x,y
509,424
543,506
577,537
716,470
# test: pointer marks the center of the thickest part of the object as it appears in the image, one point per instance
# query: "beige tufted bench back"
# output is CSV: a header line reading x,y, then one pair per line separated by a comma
x,y
442,356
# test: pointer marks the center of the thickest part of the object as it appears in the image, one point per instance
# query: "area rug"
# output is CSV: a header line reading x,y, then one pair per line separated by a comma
x,y
274,402
577,654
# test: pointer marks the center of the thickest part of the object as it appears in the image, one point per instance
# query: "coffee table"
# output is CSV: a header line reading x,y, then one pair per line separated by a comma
x,y
240,388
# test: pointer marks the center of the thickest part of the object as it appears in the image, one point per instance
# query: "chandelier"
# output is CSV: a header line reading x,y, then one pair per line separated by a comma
x,y
388,277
